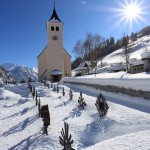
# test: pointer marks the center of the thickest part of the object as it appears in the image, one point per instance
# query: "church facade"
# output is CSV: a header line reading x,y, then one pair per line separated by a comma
x,y
54,62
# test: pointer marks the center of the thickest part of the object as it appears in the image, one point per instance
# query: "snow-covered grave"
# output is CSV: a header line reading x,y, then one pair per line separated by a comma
x,y
21,128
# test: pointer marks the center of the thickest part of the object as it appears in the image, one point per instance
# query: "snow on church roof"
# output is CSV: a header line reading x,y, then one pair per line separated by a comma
x,y
55,72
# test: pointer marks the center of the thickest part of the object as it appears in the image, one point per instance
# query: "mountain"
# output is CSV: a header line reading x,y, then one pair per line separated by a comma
x,y
4,76
9,66
21,72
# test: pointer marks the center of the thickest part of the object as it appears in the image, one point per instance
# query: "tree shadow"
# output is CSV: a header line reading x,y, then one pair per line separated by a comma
x,y
29,142
59,97
63,104
20,102
19,89
21,126
24,111
76,112
95,131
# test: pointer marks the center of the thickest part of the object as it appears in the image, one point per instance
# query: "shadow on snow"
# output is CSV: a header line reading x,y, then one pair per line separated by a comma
x,y
63,104
21,126
24,111
76,112
20,102
29,142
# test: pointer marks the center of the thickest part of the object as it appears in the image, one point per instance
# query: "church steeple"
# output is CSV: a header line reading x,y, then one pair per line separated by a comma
x,y
54,17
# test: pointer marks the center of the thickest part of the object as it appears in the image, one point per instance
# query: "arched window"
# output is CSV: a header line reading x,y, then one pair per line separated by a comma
x,y
52,28
57,28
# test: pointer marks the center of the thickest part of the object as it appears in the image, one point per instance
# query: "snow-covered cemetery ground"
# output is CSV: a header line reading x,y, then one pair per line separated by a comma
x,y
126,125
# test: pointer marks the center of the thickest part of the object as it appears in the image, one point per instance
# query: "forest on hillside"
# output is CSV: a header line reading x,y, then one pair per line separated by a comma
x,y
95,47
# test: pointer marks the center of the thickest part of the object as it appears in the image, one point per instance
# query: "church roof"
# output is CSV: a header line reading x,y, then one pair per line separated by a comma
x,y
54,18
56,72
67,52
42,52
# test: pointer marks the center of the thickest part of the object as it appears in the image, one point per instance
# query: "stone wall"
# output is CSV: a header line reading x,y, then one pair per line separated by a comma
x,y
115,89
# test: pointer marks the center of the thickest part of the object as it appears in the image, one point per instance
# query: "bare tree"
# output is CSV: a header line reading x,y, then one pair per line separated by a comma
x,y
79,49
88,43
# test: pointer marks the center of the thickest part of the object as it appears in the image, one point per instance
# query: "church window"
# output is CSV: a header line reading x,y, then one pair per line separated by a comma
x,y
52,28
57,28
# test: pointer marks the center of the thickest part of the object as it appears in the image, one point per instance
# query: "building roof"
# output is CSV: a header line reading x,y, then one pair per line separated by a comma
x,y
55,72
138,62
145,55
54,18
42,52
66,52
83,66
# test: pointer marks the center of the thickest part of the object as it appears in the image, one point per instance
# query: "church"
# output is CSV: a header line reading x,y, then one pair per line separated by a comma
x,y
54,62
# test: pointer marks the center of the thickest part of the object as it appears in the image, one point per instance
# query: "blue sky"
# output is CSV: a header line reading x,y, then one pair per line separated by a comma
x,y
23,24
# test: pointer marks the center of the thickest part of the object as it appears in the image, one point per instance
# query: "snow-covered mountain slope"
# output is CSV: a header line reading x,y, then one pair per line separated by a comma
x,y
21,72
136,48
123,127
5,76
9,66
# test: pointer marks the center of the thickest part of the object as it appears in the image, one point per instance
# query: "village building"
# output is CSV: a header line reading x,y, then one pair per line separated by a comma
x,y
83,69
140,65
54,62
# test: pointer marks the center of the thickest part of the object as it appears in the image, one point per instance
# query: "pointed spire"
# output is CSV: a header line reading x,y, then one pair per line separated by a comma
x,y
54,3
54,17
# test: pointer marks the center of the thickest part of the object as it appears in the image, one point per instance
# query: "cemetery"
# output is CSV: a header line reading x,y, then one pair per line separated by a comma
x,y
86,93
67,117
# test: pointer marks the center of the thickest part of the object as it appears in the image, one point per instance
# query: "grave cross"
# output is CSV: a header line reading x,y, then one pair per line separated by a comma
x,y
39,107
70,94
36,96
57,89
63,92
81,101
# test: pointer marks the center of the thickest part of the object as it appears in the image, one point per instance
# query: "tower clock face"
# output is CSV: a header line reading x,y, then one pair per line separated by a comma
x,y
55,37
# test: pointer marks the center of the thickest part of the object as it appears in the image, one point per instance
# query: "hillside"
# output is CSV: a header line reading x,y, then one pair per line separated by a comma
x,y
116,58
21,72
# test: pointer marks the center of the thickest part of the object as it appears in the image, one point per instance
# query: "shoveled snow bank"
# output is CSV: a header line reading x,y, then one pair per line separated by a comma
x,y
140,81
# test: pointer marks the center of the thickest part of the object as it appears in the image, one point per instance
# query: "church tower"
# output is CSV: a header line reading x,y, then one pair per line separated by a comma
x,y
54,61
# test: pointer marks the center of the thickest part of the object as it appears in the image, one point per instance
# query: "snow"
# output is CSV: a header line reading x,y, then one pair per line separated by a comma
x,y
138,49
139,81
54,20
55,72
145,55
126,125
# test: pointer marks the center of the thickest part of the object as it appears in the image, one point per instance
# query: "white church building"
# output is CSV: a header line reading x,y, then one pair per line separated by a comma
x,y
54,62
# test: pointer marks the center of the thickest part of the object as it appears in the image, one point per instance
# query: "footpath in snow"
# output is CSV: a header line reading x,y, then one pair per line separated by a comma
x,y
126,125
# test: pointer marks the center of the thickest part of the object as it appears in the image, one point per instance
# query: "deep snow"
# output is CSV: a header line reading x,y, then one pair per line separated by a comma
x,y
126,126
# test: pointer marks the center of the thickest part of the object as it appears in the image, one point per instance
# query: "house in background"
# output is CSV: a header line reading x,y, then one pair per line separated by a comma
x,y
83,69
54,62
140,65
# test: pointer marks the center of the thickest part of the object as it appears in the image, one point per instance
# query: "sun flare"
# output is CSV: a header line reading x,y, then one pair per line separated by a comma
x,y
132,11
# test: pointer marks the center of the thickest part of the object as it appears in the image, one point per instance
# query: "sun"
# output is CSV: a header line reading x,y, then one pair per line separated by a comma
x,y
131,11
